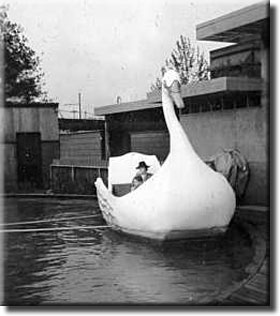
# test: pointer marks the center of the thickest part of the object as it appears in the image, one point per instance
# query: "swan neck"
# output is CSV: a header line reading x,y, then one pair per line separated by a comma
x,y
169,114
178,137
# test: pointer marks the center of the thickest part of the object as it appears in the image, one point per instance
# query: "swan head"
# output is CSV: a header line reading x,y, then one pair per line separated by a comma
x,y
171,85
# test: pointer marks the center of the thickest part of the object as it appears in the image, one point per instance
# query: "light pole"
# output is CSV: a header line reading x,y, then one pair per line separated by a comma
x,y
80,105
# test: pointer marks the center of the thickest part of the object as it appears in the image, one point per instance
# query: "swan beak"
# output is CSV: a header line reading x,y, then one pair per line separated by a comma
x,y
176,96
175,93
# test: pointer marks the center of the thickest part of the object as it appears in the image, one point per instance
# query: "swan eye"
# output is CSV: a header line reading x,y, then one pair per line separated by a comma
x,y
175,87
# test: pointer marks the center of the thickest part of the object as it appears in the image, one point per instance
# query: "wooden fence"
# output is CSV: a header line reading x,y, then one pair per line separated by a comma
x,y
71,179
82,148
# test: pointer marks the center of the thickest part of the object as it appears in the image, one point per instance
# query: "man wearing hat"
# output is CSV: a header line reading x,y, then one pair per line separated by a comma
x,y
143,171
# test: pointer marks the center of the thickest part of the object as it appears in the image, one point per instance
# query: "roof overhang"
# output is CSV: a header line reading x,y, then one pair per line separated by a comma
x,y
198,89
247,24
218,85
124,107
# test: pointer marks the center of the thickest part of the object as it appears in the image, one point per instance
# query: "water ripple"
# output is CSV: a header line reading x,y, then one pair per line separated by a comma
x,y
100,266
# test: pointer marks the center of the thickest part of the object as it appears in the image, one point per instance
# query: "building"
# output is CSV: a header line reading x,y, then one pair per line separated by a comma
x,y
30,143
230,111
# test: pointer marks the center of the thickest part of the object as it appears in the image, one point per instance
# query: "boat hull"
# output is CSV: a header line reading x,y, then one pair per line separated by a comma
x,y
173,234
157,234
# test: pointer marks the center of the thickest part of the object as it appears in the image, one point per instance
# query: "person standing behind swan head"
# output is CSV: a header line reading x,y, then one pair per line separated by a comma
x,y
143,171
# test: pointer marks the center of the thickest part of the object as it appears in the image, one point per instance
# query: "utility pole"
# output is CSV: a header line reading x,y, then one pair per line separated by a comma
x,y
80,105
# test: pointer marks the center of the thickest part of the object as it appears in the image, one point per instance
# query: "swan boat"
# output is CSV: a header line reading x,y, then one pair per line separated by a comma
x,y
184,198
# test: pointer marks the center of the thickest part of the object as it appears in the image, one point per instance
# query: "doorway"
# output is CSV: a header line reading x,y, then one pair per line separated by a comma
x,y
29,160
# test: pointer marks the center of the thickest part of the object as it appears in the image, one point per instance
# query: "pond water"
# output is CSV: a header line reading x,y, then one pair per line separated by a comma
x,y
98,266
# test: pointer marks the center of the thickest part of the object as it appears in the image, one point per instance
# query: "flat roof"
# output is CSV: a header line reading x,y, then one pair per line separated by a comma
x,y
124,107
243,25
198,89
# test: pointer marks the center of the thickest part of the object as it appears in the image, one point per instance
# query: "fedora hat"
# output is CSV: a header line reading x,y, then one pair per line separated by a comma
x,y
142,164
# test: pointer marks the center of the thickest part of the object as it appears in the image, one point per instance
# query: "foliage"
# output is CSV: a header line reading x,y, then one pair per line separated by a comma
x,y
188,61
23,75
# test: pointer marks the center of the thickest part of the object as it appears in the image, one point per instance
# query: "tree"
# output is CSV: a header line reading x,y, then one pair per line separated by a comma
x,y
188,61
22,73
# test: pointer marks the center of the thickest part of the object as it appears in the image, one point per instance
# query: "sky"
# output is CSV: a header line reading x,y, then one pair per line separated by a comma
x,y
108,48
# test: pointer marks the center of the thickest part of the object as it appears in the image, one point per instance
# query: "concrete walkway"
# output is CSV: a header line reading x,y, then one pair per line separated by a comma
x,y
255,290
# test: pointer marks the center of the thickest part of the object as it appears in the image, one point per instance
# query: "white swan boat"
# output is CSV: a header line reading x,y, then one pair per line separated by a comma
x,y
183,199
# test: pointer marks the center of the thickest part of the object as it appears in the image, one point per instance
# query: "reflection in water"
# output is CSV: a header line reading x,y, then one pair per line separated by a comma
x,y
101,266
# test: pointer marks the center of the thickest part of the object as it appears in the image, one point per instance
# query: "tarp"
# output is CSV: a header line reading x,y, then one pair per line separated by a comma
x,y
233,165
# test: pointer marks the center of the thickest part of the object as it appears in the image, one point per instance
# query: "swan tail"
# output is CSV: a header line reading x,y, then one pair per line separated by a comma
x,y
105,201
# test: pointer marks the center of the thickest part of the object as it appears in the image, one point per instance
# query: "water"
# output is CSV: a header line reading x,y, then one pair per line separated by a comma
x,y
103,267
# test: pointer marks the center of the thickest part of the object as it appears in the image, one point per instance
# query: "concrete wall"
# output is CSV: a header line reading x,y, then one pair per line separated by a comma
x,y
244,129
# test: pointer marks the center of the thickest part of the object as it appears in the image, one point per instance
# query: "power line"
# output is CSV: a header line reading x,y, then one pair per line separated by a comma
x,y
87,115
67,104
